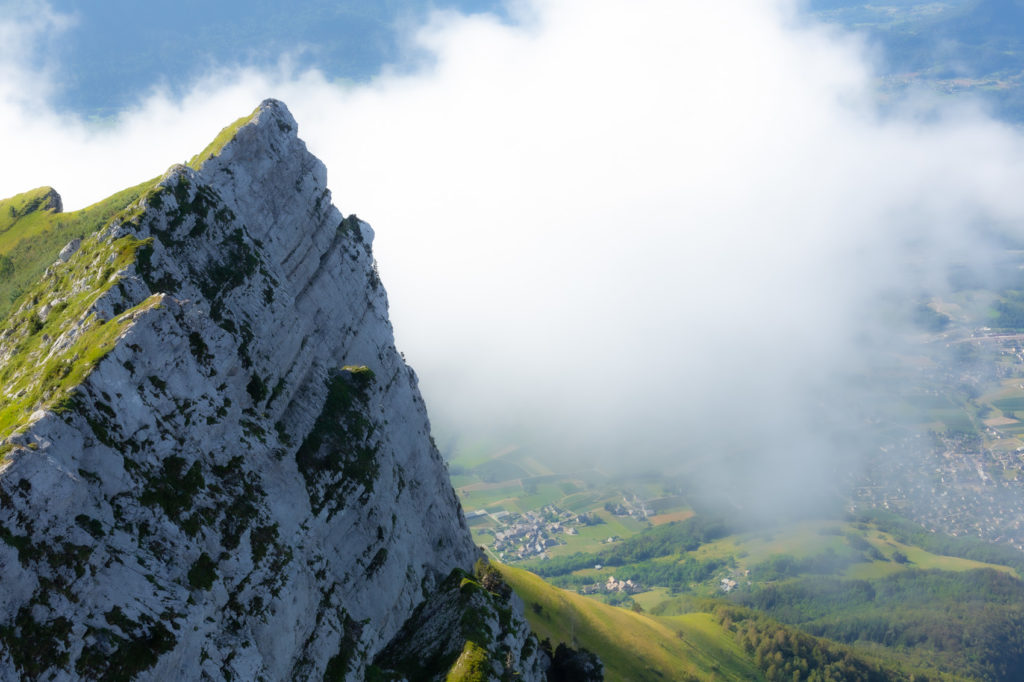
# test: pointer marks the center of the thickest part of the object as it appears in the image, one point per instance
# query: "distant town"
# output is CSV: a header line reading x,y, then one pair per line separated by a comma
x,y
529,535
973,482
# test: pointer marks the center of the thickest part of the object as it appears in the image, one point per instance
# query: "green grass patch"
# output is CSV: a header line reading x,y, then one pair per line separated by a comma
x,y
472,665
814,538
652,598
799,540
589,539
498,470
632,646
595,538
30,243
38,377
489,497
481,538
470,457
223,137
535,467
954,420
1010,404
581,502
917,558
28,206
460,480
546,494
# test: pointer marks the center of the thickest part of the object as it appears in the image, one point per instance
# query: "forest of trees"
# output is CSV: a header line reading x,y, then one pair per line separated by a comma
x,y
967,624
972,622
784,654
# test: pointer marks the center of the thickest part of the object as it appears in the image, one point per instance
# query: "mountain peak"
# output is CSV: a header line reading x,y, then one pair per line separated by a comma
x,y
215,463
269,120
279,111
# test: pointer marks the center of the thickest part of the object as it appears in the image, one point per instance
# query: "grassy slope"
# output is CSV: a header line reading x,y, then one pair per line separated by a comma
x,y
30,243
806,539
42,368
23,206
687,646
225,136
633,646
32,234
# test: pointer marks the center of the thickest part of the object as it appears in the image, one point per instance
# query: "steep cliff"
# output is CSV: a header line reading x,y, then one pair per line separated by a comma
x,y
214,462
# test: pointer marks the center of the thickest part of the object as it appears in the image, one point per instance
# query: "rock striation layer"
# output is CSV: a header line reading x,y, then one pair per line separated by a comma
x,y
215,463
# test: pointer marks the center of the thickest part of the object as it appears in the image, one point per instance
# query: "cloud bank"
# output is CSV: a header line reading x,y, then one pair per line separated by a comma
x,y
649,232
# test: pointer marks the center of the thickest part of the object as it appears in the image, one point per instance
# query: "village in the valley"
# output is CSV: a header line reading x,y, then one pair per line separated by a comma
x,y
529,535
971,490
523,536
972,455
955,464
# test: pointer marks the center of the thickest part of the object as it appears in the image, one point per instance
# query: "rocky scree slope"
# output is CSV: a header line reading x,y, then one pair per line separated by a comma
x,y
215,465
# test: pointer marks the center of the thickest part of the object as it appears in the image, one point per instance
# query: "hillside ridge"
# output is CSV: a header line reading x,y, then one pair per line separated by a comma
x,y
215,462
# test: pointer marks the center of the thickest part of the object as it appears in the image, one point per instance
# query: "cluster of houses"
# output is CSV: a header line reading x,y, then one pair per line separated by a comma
x,y
956,482
630,506
528,535
613,585
950,484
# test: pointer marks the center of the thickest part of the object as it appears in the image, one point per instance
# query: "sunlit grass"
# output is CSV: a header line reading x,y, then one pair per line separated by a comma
x,y
37,376
800,540
546,494
633,646
916,558
812,538
225,136
30,244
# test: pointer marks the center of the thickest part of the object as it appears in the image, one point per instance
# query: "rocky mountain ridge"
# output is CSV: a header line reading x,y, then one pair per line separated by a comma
x,y
215,464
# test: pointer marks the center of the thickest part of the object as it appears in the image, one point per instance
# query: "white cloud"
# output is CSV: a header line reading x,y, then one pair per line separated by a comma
x,y
654,228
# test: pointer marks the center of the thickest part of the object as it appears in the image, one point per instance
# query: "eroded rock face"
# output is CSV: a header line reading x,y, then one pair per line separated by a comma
x,y
471,627
243,485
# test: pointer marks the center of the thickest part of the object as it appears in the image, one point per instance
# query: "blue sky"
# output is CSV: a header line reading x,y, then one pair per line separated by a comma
x,y
109,53
602,224
114,50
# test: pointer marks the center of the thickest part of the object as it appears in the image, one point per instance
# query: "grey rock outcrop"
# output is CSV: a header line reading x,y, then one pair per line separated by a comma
x,y
52,202
68,250
222,468
475,628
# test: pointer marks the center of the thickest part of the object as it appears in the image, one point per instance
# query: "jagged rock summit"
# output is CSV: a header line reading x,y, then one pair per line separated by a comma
x,y
215,464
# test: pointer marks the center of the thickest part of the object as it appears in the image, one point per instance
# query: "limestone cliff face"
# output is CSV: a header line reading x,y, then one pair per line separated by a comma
x,y
215,463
